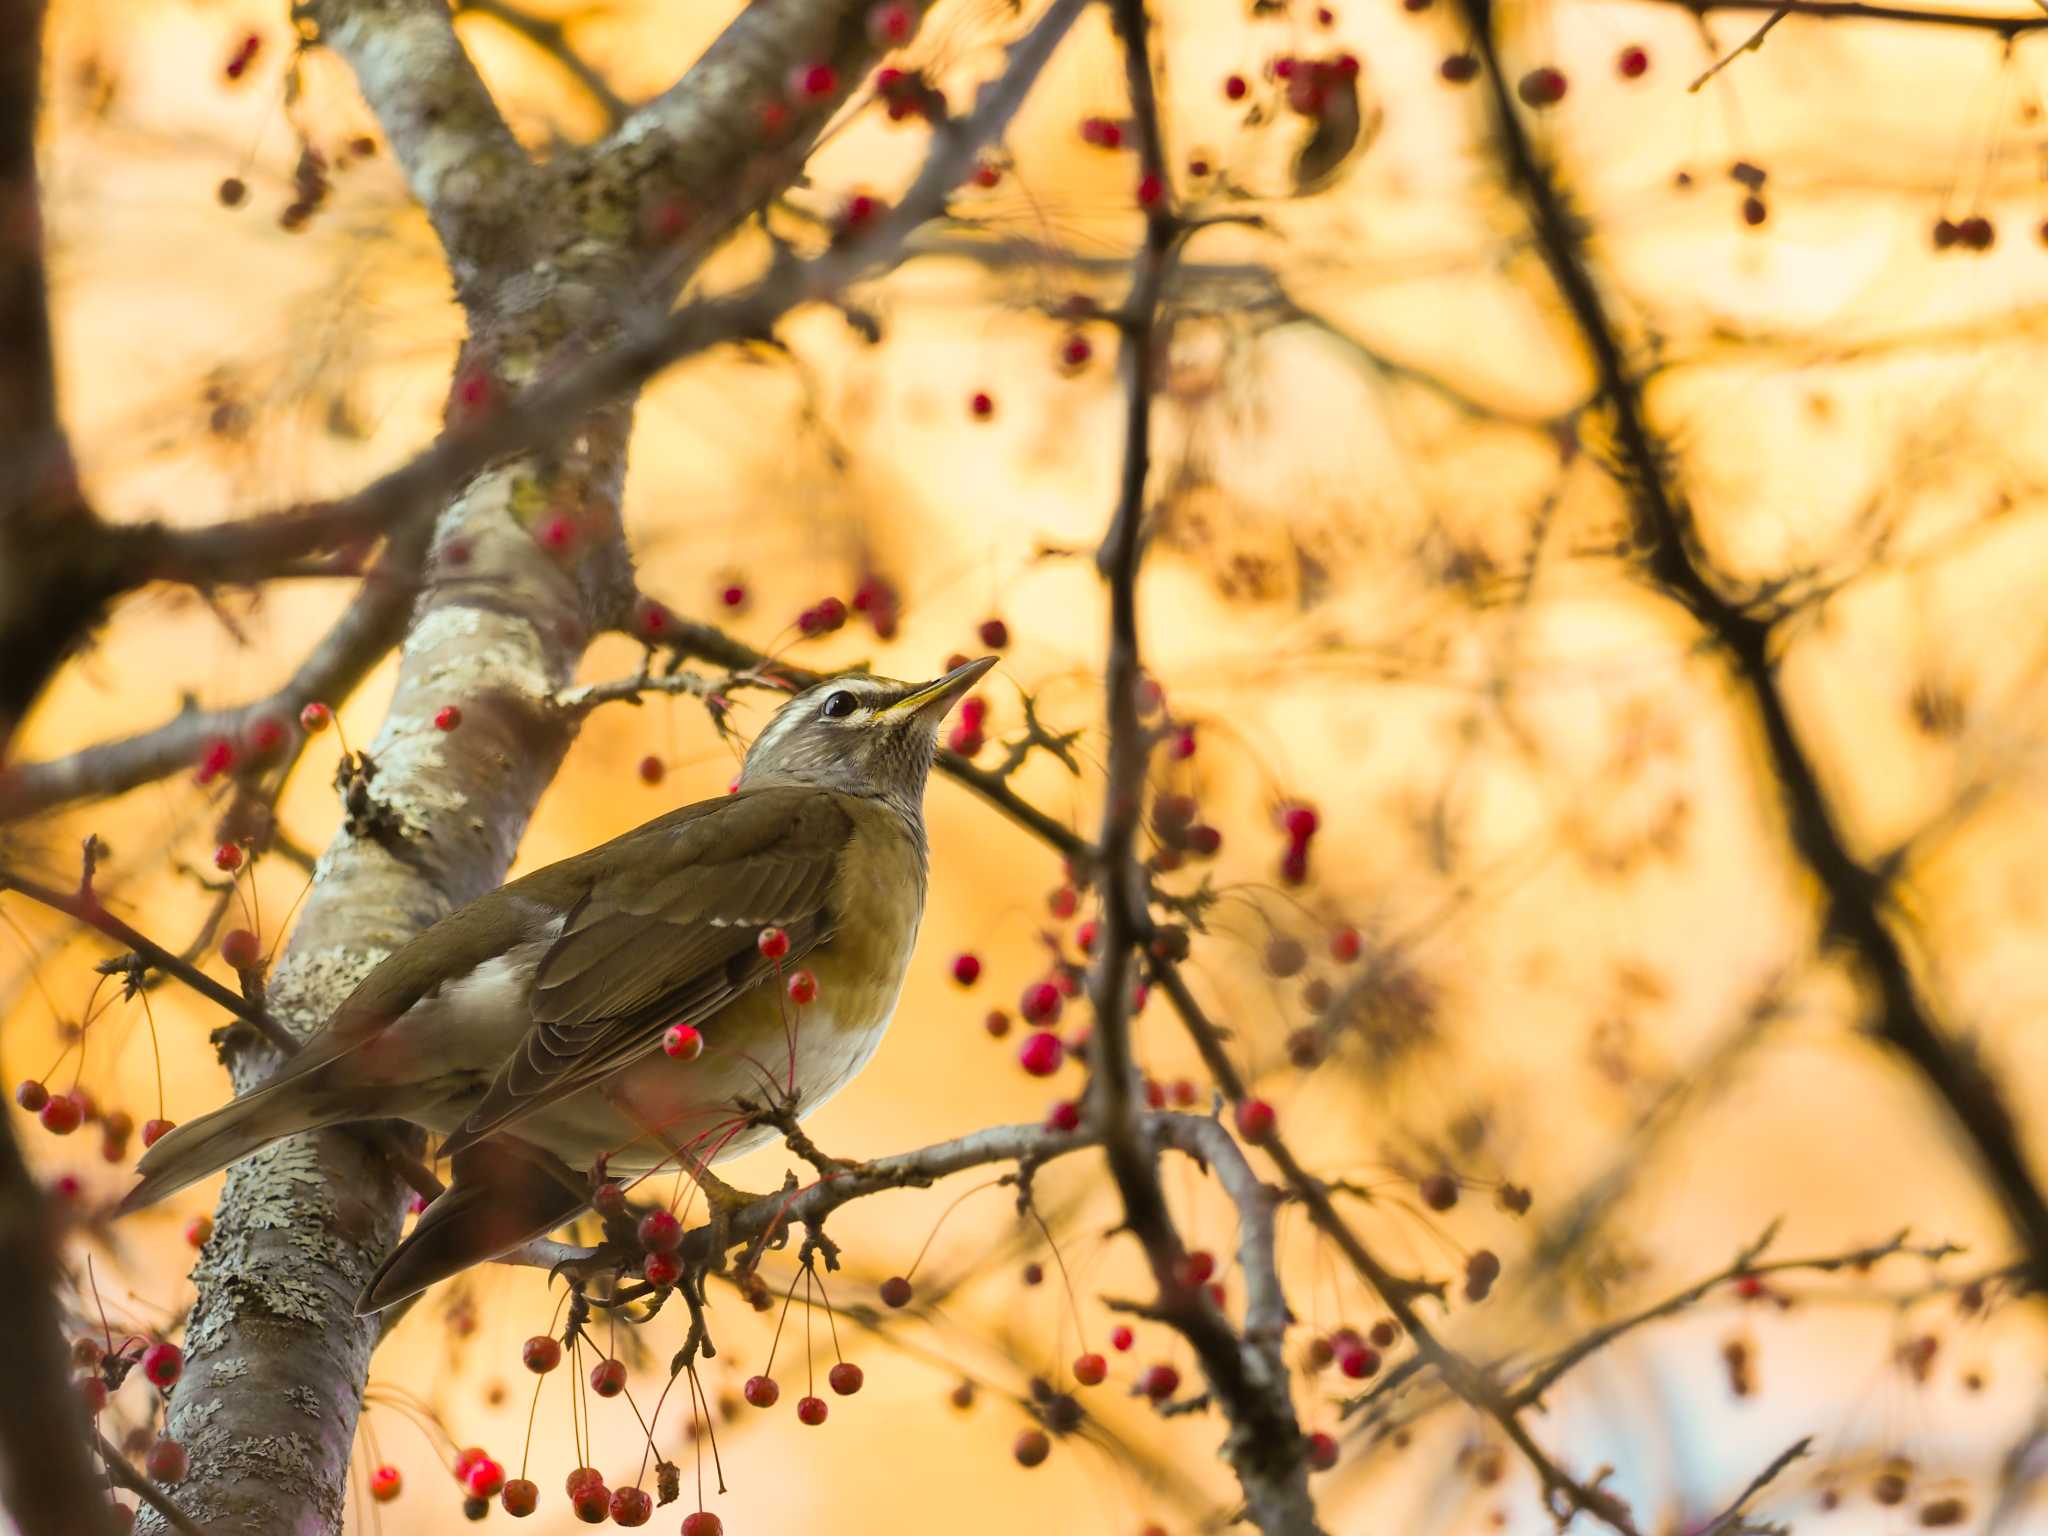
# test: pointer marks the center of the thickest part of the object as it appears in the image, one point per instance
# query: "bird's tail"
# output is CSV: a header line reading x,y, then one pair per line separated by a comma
x,y
293,1101
502,1192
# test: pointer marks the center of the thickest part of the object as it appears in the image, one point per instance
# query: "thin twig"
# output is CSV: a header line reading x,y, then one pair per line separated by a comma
x,y
145,1488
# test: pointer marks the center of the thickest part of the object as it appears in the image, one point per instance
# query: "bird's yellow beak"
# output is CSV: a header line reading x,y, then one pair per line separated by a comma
x,y
935,698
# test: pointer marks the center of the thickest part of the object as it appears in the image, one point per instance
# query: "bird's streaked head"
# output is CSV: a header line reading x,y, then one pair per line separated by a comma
x,y
860,734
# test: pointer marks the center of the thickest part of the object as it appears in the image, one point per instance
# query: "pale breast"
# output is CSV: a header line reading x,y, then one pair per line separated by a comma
x,y
763,1045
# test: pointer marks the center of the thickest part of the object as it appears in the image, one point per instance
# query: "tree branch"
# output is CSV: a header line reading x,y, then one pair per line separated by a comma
x,y
1852,895
144,1488
359,640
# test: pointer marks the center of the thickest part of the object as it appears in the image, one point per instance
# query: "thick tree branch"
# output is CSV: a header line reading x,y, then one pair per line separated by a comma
x,y
358,641
1247,1376
1852,894
47,1482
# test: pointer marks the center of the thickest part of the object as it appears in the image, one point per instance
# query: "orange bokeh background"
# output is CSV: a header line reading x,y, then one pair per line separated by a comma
x,y
1378,584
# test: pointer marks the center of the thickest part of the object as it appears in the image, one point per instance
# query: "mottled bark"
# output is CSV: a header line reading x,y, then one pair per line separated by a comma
x,y
278,1361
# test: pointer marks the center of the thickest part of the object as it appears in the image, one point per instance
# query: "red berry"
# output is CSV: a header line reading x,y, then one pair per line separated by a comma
x,y
593,1505
314,718
31,1095
965,739
609,1199
661,1269
1075,352
812,82
1064,1116
733,595
997,1023
1754,212
1090,1369
1633,63
154,1131
198,1230
1294,864
811,1410
896,1291
651,769
683,1042
1255,1121
1063,901
1301,822
541,1354
1322,1451
608,1378
555,532
1042,1054
163,1363
1459,69
1159,1382
846,1378
889,26
582,1480
60,1116
1359,1361
651,620
1151,190
1439,1191
265,735
1041,1004
484,1479
981,405
703,1522
1031,1447
241,949
227,858
773,943
860,211
216,760
761,1391
1120,1338
386,1484
1235,87
1183,746
1541,87
474,1456
167,1461
631,1506
519,1498
1482,1268
995,634
966,969
660,1232
803,988
447,717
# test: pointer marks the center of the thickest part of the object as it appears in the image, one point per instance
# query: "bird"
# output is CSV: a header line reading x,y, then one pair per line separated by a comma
x,y
531,1028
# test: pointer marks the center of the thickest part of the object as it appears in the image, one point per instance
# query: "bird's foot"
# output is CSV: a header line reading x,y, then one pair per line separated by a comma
x,y
722,1203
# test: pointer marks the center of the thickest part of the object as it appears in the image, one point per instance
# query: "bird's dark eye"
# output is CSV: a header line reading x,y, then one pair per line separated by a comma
x,y
840,705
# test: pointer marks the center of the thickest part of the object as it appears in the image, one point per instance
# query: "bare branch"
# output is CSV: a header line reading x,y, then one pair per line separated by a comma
x,y
360,638
1853,895
145,1489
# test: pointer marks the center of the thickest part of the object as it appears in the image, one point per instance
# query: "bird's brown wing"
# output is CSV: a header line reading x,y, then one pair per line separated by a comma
x,y
663,932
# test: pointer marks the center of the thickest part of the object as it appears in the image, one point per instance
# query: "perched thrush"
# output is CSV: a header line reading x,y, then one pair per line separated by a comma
x,y
527,1027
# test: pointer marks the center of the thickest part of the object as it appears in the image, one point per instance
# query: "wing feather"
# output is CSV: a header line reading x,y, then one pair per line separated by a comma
x,y
665,932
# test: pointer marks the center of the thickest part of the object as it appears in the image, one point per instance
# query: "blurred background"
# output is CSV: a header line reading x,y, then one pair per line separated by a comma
x,y
1386,583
